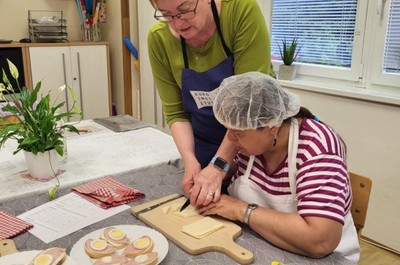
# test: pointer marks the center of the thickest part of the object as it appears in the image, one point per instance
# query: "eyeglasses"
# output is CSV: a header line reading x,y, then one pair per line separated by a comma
x,y
185,15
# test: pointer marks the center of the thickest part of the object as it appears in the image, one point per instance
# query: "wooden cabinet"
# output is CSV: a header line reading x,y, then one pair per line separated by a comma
x,y
84,68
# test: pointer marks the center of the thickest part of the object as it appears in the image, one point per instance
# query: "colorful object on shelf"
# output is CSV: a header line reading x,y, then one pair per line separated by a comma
x,y
91,12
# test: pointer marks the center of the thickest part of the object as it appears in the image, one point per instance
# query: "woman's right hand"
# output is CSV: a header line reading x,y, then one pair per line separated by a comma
x,y
191,170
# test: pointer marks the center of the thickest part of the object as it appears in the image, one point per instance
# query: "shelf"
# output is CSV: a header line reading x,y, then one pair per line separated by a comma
x,y
47,26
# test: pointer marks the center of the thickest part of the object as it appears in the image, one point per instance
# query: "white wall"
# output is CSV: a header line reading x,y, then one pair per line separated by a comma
x,y
371,132
14,17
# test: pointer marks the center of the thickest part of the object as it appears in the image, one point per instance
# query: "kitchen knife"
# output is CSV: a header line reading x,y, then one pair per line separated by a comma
x,y
186,204
156,205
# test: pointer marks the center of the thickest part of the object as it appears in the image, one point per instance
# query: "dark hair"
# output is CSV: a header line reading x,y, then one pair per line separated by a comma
x,y
306,113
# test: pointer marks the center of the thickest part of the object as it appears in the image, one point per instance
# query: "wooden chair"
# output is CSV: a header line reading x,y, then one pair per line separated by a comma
x,y
361,189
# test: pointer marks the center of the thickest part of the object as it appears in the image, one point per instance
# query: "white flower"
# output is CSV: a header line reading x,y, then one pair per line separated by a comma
x,y
2,88
62,88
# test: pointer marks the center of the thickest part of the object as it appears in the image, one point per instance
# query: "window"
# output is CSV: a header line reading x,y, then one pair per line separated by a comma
x,y
385,54
324,29
355,44
392,46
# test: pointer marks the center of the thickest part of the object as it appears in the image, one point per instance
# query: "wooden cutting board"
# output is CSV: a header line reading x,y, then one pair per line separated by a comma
x,y
7,246
170,224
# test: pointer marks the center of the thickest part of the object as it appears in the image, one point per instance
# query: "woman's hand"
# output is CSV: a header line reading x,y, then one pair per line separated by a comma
x,y
227,207
207,186
191,170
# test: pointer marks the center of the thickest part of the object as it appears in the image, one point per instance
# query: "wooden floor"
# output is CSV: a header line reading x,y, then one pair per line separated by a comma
x,y
372,255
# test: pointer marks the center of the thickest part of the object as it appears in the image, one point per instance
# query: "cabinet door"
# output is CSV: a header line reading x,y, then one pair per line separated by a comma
x,y
51,66
90,75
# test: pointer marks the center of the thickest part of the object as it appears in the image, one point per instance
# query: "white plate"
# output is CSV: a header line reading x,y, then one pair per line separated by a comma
x,y
24,257
132,232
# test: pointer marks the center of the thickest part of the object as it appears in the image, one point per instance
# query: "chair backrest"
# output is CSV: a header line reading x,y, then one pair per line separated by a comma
x,y
361,189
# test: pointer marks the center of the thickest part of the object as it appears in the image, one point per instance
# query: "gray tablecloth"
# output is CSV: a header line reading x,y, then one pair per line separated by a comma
x,y
155,183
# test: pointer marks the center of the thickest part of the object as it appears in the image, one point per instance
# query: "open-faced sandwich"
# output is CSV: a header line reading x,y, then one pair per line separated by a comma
x,y
111,260
50,256
98,248
115,237
138,247
144,259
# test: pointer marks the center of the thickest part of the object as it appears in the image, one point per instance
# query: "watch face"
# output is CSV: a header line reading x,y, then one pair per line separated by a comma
x,y
252,205
219,162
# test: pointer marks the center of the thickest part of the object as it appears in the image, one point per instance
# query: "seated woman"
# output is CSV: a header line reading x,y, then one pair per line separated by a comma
x,y
291,183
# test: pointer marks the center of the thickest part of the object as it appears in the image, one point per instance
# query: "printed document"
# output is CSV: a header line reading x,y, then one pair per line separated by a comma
x,y
66,215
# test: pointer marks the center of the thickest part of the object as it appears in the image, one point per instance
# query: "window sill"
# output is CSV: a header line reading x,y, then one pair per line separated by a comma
x,y
372,95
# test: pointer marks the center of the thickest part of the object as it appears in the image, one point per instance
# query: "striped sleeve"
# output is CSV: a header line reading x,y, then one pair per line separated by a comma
x,y
323,187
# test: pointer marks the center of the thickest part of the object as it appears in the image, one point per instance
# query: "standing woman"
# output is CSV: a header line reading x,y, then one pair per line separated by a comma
x,y
197,44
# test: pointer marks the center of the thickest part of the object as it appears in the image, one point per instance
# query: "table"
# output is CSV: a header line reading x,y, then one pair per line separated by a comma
x,y
91,155
156,182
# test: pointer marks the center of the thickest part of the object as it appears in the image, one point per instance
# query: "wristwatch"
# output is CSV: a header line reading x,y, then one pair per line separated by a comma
x,y
220,163
250,208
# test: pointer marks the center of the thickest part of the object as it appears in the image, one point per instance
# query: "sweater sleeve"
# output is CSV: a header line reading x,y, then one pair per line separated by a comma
x,y
166,80
248,36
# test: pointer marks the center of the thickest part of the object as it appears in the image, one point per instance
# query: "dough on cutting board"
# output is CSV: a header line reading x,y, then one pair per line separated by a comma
x,y
202,227
175,207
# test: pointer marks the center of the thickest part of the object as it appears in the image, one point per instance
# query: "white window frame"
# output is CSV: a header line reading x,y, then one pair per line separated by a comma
x,y
379,14
365,79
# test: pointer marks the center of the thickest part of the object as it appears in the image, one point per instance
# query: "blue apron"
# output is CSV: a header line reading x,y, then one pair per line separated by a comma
x,y
208,132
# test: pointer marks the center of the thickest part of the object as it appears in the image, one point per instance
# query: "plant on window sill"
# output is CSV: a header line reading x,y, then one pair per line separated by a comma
x,y
288,52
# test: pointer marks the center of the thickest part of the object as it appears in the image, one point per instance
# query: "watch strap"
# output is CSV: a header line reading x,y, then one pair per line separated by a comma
x,y
250,208
220,163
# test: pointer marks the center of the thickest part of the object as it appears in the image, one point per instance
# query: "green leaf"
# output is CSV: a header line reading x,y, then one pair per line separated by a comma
x,y
289,51
52,192
39,129
5,78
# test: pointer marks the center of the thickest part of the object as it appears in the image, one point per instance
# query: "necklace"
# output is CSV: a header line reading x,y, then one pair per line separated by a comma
x,y
208,31
197,52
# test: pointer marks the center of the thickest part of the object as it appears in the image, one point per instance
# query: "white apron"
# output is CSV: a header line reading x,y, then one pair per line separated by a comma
x,y
245,189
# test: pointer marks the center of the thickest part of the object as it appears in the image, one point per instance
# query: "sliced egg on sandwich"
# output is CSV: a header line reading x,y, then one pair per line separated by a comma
x,y
142,243
98,244
43,259
116,234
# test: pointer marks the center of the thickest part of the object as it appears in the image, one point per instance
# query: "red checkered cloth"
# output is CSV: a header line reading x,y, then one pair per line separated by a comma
x,y
108,192
11,226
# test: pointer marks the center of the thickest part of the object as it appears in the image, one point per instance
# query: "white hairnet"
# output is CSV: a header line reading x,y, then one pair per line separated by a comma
x,y
253,100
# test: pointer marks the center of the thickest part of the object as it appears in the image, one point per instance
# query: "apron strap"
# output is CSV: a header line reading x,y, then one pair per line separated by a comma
x,y
185,57
292,154
249,166
217,23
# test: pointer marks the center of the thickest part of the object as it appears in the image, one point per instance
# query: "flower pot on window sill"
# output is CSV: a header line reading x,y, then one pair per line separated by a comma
x,y
287,72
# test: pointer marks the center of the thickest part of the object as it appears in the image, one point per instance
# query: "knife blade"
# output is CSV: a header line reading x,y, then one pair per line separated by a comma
x,y
186,204
136,214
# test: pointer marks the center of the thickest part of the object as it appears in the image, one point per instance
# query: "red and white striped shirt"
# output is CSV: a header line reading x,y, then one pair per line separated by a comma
x,y
323,186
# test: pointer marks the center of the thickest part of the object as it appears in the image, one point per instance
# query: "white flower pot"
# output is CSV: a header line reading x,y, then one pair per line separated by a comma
x,y
287,72
43,165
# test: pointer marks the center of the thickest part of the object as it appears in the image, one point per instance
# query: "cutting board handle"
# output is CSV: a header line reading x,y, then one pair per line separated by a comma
x,y
237,252
7,246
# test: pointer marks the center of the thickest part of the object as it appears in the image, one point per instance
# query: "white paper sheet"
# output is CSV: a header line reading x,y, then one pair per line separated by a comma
x,y
66,215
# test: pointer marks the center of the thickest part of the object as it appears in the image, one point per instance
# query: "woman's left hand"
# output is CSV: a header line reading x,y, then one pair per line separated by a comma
x,y
207,186
227,207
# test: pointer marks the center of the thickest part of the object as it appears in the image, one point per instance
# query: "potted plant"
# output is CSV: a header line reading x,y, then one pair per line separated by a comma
x,y
39,127
289,52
